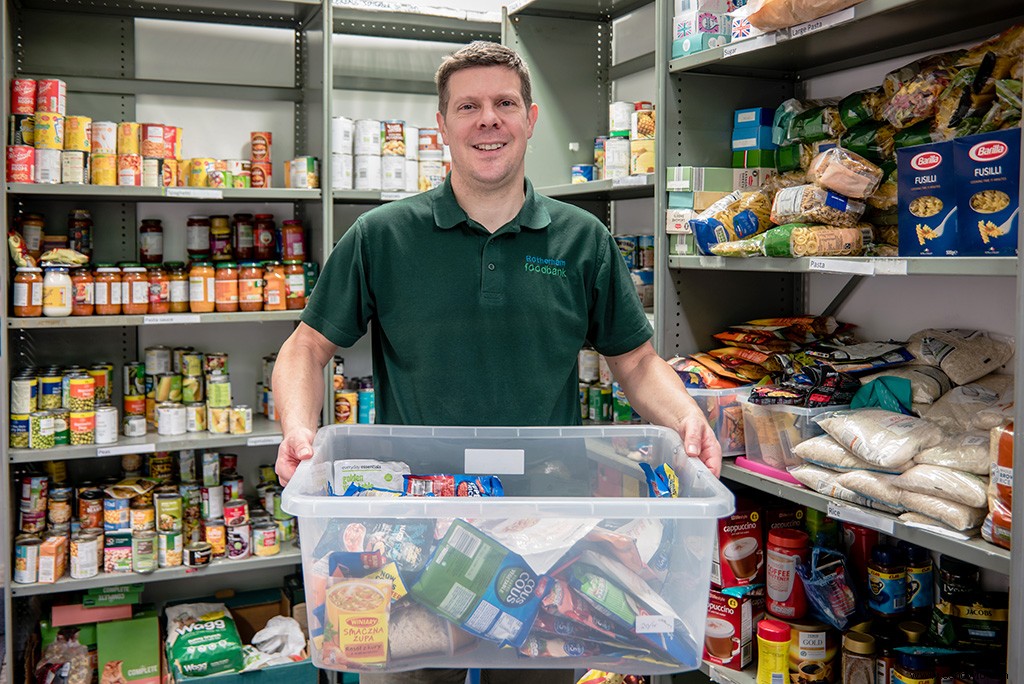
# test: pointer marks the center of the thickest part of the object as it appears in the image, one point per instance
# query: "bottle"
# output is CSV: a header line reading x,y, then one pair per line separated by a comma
x,y
920,582
858,658
57,291
151,241
197,238
772,652
220,238
32,227
264,237
243,237
274,287
134,290
293,241
80,231
107,290
914,669
250,286
159,290
28,292
885,661
295,284
887,583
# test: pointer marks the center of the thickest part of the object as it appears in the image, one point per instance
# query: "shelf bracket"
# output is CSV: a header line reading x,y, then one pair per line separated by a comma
x,y
837,302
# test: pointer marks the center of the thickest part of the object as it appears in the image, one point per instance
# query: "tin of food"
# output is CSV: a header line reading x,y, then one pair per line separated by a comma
x,y
198,554
238,542
236,512
265,541
144,551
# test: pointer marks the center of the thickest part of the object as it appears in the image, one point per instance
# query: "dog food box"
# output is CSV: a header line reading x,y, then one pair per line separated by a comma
x,y
927,201
129,650
987,172
729,630
738,558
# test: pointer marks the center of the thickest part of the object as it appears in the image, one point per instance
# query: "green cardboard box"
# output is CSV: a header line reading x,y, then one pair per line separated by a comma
x,y
753,159
119,598
698,178
129,650
115,588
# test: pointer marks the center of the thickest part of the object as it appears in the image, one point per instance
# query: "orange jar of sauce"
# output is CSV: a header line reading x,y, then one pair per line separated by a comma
x,y
250,286
295,283
274,287
134,290
28,292
159,290
178,286
201,287
107,290
226,287
82,292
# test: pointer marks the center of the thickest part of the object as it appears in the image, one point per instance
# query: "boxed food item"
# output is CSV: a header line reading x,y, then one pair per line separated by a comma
x,y
753,117
750,179
753,159
926,197
752,138
698,178
488,571
129,650
719,6
678,221
772,430
53,555
729,633
738,558
696,22
987,180
698,43
725,414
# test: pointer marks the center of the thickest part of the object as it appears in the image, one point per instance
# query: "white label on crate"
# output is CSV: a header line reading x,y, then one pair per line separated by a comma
x,y
392,196
828,21
712,262
495,461
858,516
169,319
127,449
195,193
890,266
654,624
767,40
264,440
842,266
626,181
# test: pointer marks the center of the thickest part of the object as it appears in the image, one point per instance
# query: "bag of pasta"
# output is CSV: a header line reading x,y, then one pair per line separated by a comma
x,y
1006,112
748,247
1007,49
864,105
918,99
845,172
884,197
820,123
896,79
872,140
923,133
800,240
811,204
771,15
735,216
792,157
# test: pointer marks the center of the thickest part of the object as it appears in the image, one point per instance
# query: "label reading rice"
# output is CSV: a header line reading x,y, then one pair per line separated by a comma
x,y
858,516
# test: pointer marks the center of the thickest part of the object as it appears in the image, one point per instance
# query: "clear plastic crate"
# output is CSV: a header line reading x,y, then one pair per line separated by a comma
x,y
772,430
724,410
575,520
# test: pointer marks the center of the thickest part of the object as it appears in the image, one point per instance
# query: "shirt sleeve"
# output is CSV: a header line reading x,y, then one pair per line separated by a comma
x,y
341,305
618,323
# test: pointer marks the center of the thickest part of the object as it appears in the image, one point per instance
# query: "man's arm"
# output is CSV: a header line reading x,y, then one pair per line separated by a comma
x,y
298,385
656,392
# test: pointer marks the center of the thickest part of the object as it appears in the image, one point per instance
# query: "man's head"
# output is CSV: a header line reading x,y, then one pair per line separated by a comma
x,y
481,53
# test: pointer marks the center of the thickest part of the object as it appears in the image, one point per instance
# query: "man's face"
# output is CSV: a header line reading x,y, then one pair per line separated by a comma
x,y
487,125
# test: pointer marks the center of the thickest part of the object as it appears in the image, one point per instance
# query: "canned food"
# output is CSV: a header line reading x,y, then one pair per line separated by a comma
x,y
303,172
215,363
21,164
366,140
367,172
260,143
90,509
271,498
265,540
341,135
74,167
78,134
115,515
218,420
238,541
367,408
192,364
104,137
51,96
286,528
229,464
620,115
392,173
172,143
47,169
215,532
48,131
23,395
170,172
431,144
268,473
241,420
102,374
82,428
85,556
106,425
616,158
169,549
61,426
41,430
152,172
26,559
236,511
23,95
59,508
128,138
170,419
34,492
129,170
145,554
168,511
211,468
167,388
192,389
198,554
134,426
212,502
195,417
152,140
142,516
104,169
117,552
19,428
32,522
262,175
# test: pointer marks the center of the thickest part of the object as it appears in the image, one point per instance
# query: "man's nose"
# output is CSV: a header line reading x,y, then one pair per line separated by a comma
x,y
488,116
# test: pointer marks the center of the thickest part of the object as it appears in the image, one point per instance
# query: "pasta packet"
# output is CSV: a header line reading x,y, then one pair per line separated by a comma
x,y
749,247
783,116
820,123
811,204
884,197
872,140
735,216
923,133
897,78
845,172
863,105
918,98
800,240
790,158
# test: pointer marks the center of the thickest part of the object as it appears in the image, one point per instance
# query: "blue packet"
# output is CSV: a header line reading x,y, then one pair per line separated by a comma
x,y
452,485
662,481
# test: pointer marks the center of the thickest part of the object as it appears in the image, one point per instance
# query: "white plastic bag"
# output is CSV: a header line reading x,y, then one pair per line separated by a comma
x,y
967,452
826,452
960,409
954,485
949,513
823,481
881,437
965,355
873,486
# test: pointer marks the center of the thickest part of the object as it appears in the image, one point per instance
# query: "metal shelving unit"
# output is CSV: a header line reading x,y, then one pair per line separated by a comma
x,y
138,194
966,266
630,187
161,319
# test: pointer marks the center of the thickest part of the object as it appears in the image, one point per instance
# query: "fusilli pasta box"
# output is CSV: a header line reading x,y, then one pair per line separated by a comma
x,y
927,200
988,192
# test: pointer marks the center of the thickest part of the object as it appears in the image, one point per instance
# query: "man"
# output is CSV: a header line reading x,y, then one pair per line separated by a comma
x,y
480,294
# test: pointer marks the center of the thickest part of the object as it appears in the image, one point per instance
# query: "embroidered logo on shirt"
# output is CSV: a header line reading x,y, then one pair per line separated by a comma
x,y
548,267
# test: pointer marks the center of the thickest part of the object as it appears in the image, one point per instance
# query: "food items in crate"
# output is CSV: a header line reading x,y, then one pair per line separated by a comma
x,y
881,437
452,485
643,545
541,542
725,415
746,363
406,542
662,482
601,677
562,602
369,474
845,172
356,623
202,640
816,124
415,632
696,375
811,204
997,527
872,140
356,490
771,15
863,357
813,387
735,216
721,369
756,340
861,106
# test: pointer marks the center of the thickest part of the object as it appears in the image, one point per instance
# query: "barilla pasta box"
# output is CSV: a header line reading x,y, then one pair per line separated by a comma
x,y
927,200
987,172
738,558
729,629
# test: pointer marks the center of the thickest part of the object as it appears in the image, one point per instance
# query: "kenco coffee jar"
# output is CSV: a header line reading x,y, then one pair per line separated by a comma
x,y
786,549
738,559
729,629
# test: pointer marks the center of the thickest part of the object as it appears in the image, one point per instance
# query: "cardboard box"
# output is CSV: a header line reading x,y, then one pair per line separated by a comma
x,y
753,159
987,180
112,596
738,558
740,28
697,22
129,650
53,554
705,198
696,178
927,200
683,245
779,516
731,628
752,138
75,614
677,221
698,43
750,179
753,117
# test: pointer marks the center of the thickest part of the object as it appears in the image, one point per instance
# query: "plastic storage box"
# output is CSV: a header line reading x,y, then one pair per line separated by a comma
x,y
772,430
574,567
724,411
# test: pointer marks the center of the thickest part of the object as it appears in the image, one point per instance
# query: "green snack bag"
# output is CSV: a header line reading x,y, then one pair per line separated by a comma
x,y
864,105
918,134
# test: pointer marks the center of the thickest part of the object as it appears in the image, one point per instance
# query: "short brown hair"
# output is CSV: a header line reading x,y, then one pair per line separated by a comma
x,y
481,53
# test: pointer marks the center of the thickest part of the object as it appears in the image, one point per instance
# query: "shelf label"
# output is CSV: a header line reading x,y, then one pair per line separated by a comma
x,y
859,516
169,319
828,21
495,461
629,181
712,261
654,624
392,196
842,266
264,440
890,266
195,193
767,40
127,449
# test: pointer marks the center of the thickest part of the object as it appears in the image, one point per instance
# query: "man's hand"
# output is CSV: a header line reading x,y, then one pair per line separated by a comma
x,y
699,441
295,447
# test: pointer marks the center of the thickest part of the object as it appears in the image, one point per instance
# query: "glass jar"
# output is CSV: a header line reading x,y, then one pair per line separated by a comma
x,y
82,298
293,240
32,226
858,659
243,236
274,287
250,286
134,290
226,287
912,668
107,290
264,237
177,286
220,238
28,292
159,290
197,237
151,241
54,242
80,231
57,291
201,287
295,284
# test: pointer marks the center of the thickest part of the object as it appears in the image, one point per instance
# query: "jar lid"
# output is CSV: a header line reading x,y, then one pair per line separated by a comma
x,y
108,269
291,222
198,218
887,555
202,264
133,269
29,269
292,262
227,264
855,642
913,630
915,661
789,539
270,263
151,220
243,215
57,267
104,264
249,264
773,630
124,264
174,264
264,217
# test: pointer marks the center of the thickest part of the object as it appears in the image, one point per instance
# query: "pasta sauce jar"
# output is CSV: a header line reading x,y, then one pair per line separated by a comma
x,y
28,292
274,287
107,290
134,290
151,241
197,237
226,287
159,290
82,283
264,237
293,240
243,236
177,279
201,287
295,284
250,286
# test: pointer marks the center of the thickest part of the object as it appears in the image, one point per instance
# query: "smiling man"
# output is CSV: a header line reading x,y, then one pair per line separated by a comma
x,y
480,294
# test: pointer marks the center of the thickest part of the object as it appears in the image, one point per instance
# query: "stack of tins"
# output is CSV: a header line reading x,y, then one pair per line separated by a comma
x,y
53,406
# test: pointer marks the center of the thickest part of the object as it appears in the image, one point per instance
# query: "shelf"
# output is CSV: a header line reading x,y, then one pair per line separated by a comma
x,y
166,319
965,266
289,555
459,27
146,86
976,551
592,10
120,193
891,29
722,675
273,13
368,196
630,187
264,433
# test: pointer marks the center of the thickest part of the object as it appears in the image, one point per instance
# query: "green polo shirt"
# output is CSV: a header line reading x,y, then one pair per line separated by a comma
x,y
474,328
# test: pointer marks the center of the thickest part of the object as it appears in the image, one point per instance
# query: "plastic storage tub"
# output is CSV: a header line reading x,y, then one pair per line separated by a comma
x,y
575,521
724,411
772,430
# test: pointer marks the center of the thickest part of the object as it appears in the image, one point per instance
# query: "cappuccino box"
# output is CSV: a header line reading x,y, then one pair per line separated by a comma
x,y
987,170
730,628
779,516
927,200
738,558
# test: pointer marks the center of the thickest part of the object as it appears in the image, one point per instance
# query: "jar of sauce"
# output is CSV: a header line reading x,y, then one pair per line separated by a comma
x,y
57,291
177,278
226,287
243,237
28,292
295,284
264,237
274,287
250,286
201,287
293,240
32,226
220,238
80,231
82,298
197,237
107,290
134,290
151,241
159,290
914,669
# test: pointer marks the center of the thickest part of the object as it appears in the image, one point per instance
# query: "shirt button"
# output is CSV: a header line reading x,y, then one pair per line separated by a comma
x,y
490,267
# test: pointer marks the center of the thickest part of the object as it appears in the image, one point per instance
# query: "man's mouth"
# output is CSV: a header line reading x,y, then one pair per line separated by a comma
x,y
488,147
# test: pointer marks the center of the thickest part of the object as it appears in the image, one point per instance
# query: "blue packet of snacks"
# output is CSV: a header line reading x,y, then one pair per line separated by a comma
x,y
662,481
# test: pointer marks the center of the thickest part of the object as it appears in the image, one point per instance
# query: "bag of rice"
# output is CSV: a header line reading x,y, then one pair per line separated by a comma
x,y
960,409
949,513
826,452
998,527
881,437
873,486
946,483
927,383
824,482
202,640
965,355
968,452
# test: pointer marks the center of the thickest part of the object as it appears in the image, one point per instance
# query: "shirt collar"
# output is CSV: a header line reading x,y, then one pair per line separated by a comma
x,y
448,214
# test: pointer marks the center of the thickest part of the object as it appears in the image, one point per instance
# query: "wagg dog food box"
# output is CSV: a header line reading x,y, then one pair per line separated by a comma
x,y
546,575
988,192
926,197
